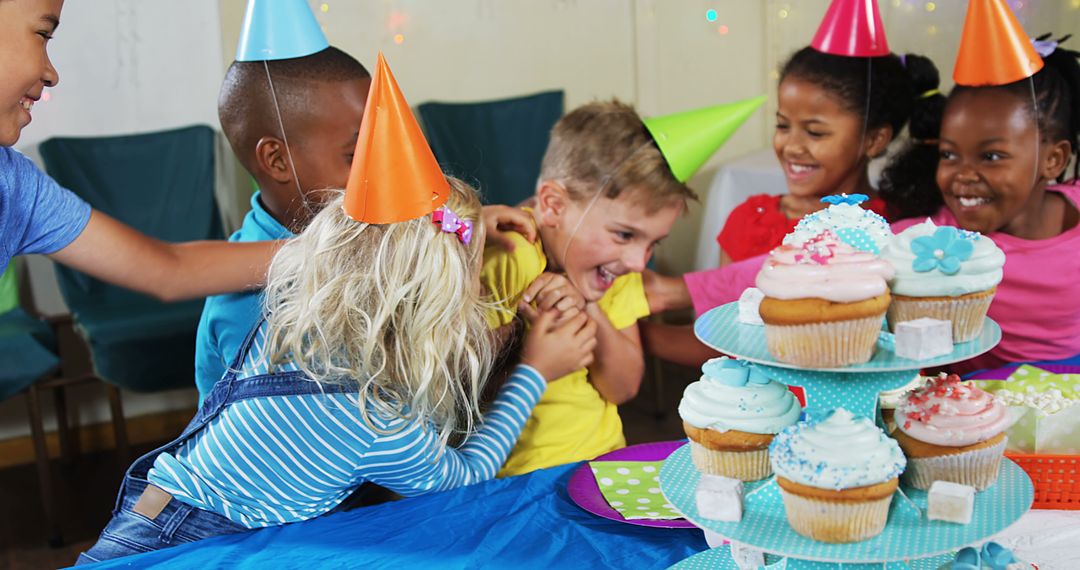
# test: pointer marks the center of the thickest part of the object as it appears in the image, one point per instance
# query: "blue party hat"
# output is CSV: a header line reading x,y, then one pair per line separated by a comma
x,y
279,29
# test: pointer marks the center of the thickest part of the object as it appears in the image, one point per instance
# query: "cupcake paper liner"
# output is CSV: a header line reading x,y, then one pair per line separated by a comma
x,y
742,465
977,468
966,314
835,522
824,345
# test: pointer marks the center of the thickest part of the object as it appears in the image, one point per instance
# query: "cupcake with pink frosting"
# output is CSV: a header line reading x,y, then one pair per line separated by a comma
x,y
951,431
824,302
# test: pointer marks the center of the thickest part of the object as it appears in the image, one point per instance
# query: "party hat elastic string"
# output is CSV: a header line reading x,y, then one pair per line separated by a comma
x,y
1038,135
285,138
866,110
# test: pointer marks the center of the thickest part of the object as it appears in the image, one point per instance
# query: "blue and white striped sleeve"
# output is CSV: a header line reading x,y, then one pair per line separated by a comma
x,y
411,461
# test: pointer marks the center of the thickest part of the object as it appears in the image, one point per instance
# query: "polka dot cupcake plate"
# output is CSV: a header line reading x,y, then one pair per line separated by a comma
x,y
586,494
720,329
720,559
906,536
858,386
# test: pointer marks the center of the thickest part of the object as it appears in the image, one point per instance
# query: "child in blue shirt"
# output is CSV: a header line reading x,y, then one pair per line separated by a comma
x,y
321,99
38,216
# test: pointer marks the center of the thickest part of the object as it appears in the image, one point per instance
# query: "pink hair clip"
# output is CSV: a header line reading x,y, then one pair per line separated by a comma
x,y
450,222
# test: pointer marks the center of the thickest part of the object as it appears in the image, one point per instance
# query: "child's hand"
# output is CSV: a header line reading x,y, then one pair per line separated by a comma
x,y
498,219
554,292
556,350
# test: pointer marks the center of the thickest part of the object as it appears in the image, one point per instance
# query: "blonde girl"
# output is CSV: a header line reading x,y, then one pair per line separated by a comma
x,y
372,357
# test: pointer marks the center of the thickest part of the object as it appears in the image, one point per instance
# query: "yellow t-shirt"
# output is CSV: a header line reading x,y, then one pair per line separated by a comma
x,y
572,422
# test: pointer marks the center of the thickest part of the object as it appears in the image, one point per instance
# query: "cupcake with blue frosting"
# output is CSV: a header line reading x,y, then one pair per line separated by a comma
x,y
731,415
943,273
837,475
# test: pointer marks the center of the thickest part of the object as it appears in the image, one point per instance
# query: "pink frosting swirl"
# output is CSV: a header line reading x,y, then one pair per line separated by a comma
x,y
824,268
948,412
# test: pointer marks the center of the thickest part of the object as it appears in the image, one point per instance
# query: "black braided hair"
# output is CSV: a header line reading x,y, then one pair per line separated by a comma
x,y
891,90
908,184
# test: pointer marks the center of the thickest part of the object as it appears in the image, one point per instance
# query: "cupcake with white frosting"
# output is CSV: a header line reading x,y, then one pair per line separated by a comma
x,y
837,476
943,273
731,415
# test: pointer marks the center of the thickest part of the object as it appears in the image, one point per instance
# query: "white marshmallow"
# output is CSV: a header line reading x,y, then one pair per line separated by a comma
x,y
747,557
749,303
923,338
950,502
719,498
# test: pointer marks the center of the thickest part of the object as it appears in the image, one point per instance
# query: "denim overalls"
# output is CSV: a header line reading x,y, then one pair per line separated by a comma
x,y
129,532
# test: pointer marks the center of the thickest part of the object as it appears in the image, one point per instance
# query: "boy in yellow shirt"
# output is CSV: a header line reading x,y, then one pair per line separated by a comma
x,y
605,198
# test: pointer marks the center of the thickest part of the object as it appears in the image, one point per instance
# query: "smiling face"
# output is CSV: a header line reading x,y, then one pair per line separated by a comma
x,y
818,141
993,169
25,69
593,246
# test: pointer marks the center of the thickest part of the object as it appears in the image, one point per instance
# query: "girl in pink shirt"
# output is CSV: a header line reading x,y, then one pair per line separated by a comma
x,y
1000,169
1001,166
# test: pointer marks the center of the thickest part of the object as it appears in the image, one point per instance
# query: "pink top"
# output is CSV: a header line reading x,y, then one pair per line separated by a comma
x,y
948,412
824,268
1037,308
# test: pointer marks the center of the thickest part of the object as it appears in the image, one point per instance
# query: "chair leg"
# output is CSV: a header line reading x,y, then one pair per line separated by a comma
x,y
116,408
68,447
41,456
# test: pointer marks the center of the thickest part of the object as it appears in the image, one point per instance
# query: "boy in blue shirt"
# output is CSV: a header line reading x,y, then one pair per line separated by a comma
x,y
321,100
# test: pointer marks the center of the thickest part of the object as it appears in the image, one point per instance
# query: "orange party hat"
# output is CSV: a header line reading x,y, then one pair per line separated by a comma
x,y
394,175
994,50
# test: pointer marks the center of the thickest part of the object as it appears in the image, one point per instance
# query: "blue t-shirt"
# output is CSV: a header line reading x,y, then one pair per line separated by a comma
x,y
227,319
37,215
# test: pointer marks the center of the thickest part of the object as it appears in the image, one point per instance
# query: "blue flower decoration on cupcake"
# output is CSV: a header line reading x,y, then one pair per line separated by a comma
x,y
853,199
944,251
731,372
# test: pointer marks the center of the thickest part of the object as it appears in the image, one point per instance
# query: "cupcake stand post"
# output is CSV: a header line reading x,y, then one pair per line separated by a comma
x,y
910,540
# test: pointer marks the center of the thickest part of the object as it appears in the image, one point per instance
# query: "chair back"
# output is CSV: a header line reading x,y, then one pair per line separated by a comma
x,y
496,146
161,184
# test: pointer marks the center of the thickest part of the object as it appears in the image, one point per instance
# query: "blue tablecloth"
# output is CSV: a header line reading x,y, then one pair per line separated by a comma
x,y
521,522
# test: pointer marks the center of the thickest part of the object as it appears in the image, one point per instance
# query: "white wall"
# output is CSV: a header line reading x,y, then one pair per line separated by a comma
x,y
662,55
131,66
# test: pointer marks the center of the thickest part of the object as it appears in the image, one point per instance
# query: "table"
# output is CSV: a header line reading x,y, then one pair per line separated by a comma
x,y
522,522
735,181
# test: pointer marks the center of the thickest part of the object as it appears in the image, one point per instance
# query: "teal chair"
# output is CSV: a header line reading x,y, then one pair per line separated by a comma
x,y
495,145
31,366
162,184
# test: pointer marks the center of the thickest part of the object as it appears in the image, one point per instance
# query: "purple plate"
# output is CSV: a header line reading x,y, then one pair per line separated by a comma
x,y
586,494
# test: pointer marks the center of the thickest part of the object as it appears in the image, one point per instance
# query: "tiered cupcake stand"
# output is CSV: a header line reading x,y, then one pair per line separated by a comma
x,y
910,540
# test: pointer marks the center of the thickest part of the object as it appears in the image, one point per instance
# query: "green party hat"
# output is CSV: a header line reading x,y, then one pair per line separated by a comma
x,y
689,138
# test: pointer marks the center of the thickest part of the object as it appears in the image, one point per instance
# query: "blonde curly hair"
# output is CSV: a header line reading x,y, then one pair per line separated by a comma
x,y
395,308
